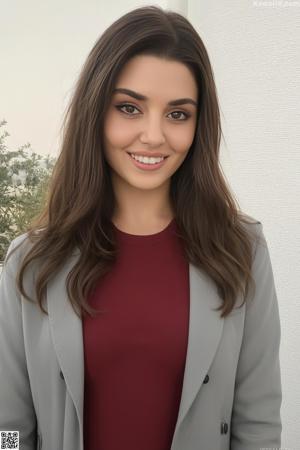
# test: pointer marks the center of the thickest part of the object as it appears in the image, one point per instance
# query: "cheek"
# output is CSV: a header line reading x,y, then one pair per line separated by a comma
x,y
181,140
117,132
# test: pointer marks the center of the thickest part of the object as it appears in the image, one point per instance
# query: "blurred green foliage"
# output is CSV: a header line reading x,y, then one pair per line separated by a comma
x,y
24,177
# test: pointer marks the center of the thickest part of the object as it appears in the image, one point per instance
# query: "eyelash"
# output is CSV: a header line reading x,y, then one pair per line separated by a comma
x,y
187,115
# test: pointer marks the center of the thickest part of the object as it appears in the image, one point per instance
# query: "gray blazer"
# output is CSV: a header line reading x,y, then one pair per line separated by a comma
x,y
231,394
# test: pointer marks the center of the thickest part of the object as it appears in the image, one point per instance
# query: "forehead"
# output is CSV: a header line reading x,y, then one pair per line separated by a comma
x,y
157,76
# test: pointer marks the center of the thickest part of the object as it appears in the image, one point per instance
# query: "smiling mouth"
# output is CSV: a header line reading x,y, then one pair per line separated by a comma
x,y
150,156
153,165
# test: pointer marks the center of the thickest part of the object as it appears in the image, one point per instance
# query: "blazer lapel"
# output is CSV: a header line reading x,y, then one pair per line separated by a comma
x,y
205,331
66,329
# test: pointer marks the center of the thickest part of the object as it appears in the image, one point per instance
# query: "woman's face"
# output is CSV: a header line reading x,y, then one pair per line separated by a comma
x,y
150,126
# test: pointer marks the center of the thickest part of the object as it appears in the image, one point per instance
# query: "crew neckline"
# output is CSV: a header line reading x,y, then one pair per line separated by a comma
x,y
152,236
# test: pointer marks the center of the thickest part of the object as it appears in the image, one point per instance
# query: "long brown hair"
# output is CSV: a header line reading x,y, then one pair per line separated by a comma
x,y
80,201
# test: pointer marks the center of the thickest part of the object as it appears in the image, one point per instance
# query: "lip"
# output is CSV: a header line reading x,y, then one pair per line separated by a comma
x,y
147,167
149,155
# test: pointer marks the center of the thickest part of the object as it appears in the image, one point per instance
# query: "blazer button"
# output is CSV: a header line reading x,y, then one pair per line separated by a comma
x,y
61,375
224,428
206,379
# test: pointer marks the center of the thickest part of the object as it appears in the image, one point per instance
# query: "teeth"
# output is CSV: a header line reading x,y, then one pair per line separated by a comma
x,y
146,160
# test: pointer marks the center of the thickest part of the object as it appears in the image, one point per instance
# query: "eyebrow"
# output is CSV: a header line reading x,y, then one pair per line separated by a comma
x,y
179,101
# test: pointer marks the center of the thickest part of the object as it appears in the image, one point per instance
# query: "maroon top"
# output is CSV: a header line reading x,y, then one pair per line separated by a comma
x,y
135,352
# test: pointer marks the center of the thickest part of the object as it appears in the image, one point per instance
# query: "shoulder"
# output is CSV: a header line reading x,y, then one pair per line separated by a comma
x,y
17,249
249,220
262,270
253,227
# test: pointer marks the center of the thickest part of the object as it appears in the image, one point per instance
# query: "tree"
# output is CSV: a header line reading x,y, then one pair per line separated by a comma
x,y
24,177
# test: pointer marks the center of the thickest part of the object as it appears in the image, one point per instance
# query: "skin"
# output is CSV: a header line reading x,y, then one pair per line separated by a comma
x,y
142,197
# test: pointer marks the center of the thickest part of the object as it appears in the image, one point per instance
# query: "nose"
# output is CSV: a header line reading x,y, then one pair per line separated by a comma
x,y
152,133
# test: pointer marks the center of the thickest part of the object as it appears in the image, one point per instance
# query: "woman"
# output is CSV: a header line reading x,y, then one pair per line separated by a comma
x,y
127,318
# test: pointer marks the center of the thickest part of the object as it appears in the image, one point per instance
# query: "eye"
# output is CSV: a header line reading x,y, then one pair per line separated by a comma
x,y
128,105
186,115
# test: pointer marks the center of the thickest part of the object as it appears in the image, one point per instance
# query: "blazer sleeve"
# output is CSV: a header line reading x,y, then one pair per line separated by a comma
x,y
256,421
16,406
